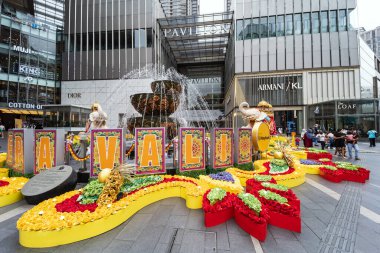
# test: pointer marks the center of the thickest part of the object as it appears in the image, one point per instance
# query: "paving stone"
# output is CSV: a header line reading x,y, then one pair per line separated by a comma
x,y
167,235
233,228
315,225
177,221
151,209
134,227
279,233
286,246
195,220
118,246
147,240
195,241
161,216
161,248
308,239
241,243
180,208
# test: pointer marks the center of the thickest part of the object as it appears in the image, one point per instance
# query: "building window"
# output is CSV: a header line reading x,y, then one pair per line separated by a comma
x,y
297,24
239,29
306,23
247,29
324,22
289,24
272,26
149,37
342,20
139,38
264,27
5,35
280,25
333,21
255,28
315,18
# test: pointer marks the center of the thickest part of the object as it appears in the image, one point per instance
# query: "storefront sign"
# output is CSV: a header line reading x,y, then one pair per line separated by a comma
x,y
197,30
150,150
10,149
192,149
27,70
213,80
244,148
74,95
280,86
44,150
346,106
24,106
222,147
106,149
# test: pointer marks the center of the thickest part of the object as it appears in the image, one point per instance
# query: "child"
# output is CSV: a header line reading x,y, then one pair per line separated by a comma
x,y
298,140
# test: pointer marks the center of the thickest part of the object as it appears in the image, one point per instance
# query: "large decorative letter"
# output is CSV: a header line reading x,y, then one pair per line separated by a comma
x,y
222,148
192,149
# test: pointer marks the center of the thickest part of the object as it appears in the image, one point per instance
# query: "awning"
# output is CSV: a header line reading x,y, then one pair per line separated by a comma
x,y
22,112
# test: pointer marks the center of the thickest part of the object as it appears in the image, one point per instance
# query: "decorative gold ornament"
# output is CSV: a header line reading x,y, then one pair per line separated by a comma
x,y
111,188
278,155
103,175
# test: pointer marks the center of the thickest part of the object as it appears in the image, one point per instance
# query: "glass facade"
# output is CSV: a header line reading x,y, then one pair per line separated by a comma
x,y
298,23
29,66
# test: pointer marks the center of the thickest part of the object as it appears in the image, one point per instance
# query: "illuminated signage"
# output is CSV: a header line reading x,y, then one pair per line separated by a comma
x,y
197,30
24,106
280,86
346,106
27,70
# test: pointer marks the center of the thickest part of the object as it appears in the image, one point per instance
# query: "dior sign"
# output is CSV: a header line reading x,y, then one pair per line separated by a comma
x,y
280,86
197,30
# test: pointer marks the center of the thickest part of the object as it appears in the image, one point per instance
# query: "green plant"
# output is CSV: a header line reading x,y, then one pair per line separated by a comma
x,y
252,202
262,178
273,196
274,186
246,167
215,195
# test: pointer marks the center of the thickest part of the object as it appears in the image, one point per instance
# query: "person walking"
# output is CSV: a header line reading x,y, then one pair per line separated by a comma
x,y
321,139
352,142
339,141
330,137
2,130
372,138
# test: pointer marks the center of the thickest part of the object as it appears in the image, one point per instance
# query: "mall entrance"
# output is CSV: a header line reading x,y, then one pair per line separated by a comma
x,y
288,121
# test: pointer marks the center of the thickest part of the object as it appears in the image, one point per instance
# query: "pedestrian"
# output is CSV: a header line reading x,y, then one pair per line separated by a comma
x,y
352,142
303,132
330,137
339,142
372,138
298,140
308,139
2,130
287,132
321,139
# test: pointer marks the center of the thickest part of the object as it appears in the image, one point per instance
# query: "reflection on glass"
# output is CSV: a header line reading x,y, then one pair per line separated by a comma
x,y
306,23
280,25
297,24
333,21
289,24
342,20
315,18
272,26
264,27
324,22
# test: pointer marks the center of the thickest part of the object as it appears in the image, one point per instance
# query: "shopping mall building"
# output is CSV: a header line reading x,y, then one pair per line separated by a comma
x,y
302,56
30,64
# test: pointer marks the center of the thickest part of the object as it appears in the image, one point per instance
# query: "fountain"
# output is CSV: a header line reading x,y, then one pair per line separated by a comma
x,y
174,102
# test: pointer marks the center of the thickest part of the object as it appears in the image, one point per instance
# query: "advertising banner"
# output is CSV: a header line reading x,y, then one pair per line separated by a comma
x,y
222,148
244,147
150,150
192,149
45,150
106,149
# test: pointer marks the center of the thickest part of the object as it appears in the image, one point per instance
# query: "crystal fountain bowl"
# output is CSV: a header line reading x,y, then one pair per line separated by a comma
x,y
155,104
170,124
166,87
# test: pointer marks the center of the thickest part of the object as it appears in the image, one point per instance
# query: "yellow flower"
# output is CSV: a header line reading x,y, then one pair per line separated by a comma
x,y
15,185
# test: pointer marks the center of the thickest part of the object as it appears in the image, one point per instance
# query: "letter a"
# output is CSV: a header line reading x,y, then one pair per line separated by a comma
x,y
106,151
44,157
149,154
223,150
189,155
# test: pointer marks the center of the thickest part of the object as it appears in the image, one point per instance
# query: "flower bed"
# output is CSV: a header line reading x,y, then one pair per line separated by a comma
x,y
310,166
10,190
244,175
45,226
331,174
313,155
282,213
3,159
232,187
4,172
251,216
217,206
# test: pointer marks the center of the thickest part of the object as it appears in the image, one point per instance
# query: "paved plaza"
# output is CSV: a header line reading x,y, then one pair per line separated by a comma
x,y
341,217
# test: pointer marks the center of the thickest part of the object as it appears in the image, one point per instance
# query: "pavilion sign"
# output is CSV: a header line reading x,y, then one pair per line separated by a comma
x,y
197,30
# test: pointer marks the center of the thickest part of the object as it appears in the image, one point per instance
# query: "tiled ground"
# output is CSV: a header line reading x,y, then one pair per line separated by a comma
x,y
168,226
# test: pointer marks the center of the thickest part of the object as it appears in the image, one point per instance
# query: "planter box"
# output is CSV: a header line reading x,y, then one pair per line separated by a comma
x,y
359,178
291,223
216,218
259,231
330,177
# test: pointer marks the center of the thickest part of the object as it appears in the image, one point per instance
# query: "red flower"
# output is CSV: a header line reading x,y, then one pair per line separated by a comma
x,y
3,183
246,211
71,205
227,202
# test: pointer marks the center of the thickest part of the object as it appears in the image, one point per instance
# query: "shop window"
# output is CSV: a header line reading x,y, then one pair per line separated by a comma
x,y
5,35
280,25
239,29
289,24
333,21
24,40
3,91
272,26
264,27
102,40
115,39
14,64
42,94
122,39
78,42
32,94
255,28
84,42
90,41
315,18
324,22
22,98
4,58
342,20
297,24
12,93
306,23
15,37
109,40
96,40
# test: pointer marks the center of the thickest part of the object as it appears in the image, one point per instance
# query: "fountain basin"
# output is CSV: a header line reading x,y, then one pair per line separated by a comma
x,y
166,86
170,124
155,104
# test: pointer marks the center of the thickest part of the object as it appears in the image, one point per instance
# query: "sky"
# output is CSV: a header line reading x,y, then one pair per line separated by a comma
x,y
367,15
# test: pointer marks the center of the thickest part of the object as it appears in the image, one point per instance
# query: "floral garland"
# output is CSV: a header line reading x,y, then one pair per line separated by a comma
x,y
69,141
45,217
130,150
14,185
